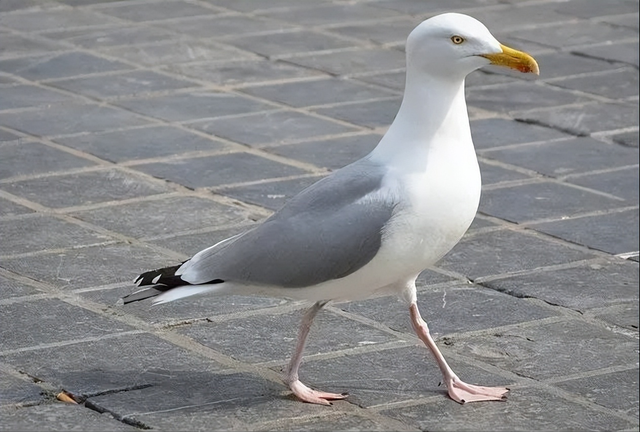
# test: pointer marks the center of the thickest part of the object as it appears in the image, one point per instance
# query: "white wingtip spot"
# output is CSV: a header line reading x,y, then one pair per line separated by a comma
x,y
120,302
137,280
156,279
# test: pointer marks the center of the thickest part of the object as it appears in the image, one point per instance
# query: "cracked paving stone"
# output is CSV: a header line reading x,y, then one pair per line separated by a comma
x,y
117,364
60,416
591,285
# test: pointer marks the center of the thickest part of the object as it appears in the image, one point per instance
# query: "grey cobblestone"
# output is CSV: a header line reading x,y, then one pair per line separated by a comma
x,y
134,133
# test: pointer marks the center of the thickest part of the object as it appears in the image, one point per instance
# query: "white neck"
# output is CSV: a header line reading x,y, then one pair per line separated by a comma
x,y
430,108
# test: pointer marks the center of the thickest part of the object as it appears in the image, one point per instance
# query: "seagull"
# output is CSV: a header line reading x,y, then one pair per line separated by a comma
x,y
372,227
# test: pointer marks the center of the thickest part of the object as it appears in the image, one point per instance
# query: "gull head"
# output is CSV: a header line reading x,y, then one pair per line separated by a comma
x,y
451,45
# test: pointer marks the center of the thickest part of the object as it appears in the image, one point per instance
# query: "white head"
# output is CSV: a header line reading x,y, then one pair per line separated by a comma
x,y
452,45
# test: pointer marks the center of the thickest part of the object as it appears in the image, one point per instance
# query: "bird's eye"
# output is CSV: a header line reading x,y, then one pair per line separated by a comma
x,y
457,39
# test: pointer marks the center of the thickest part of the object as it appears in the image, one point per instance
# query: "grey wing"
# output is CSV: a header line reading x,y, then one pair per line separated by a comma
x,y
328,231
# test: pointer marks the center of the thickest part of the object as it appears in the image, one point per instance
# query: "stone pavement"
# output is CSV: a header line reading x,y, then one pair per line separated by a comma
x,y
135,133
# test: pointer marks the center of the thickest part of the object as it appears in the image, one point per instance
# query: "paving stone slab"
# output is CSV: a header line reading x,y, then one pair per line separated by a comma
x,y
83,188
96,38
591,10
27,96
13,288
351,62
9,208
141,12
629,139
60,65
218,170
616,390
624,52
42,20
252,6
141,143
175,51
371,114
550,350
160,217
193,106
115,365
382,32
59,416
56,321
583,287
542,200
18,45
266,338
270,195
586,119
624,315
392,80
522,411
613,232
418,7
559,158
323,14
125,84
317,92
241,72
71,118
271,127
498,132
90,266
576,33
231,27
18,391
512,16
618,84
299,41
502,251
205,401
41,232
344,422
331,153
29,158
7,136
622,182
628,20
521,96
16,5
392,375
495,174
450,310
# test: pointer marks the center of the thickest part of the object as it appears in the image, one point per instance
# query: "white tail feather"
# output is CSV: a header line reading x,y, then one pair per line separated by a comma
x,y
184,291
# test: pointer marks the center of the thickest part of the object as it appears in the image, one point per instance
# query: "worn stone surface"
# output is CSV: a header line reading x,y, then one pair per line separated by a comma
x,y
134,134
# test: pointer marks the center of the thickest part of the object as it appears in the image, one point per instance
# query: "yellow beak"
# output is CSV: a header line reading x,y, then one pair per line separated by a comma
x,y
514,59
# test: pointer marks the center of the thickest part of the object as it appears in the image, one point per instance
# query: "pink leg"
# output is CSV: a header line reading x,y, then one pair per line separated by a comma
x,y
300,390
459,391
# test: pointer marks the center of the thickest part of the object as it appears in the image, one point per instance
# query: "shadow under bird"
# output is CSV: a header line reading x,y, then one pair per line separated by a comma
x,y
371,227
